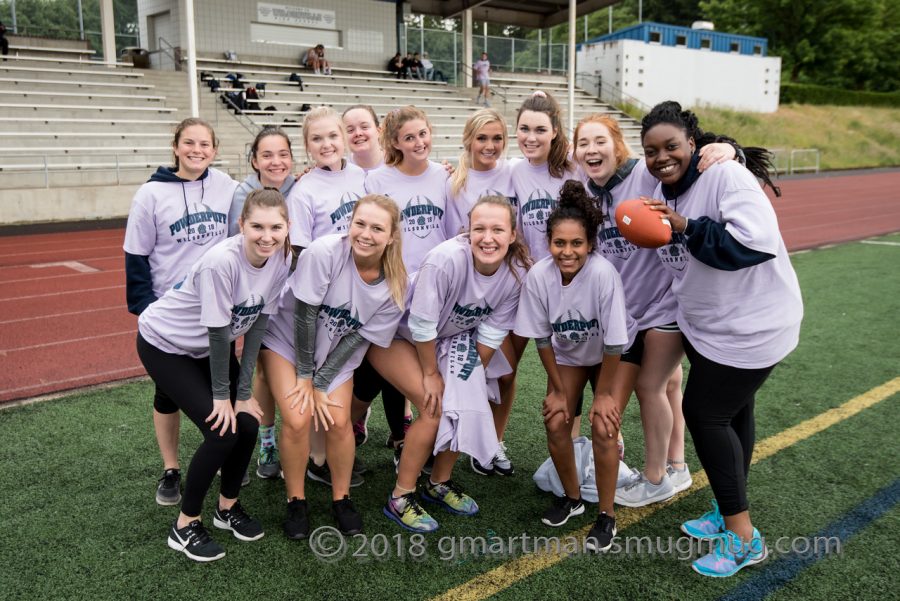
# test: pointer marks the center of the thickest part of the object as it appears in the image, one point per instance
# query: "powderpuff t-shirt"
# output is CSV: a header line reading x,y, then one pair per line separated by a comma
x,y
538,194
422,204
322,201
222,289
496,182
579,318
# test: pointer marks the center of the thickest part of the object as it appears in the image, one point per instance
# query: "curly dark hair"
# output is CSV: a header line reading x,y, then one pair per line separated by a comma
x,y
576,204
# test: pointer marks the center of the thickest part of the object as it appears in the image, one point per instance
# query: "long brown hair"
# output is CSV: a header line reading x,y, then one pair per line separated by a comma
x,y
518,251
392,259
542,102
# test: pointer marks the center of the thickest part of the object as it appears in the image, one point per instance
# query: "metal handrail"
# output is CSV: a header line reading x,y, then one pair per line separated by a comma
x,y
160,41
615,96
496,88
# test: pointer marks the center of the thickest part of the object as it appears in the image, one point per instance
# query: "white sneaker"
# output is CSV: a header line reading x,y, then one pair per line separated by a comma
x,y
502,465
627,476
681,479
643,492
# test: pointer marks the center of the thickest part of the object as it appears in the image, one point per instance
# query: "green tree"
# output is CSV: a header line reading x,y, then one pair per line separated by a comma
x,y
847,43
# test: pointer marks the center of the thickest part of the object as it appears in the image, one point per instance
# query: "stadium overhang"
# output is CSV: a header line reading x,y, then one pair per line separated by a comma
x,y
537,14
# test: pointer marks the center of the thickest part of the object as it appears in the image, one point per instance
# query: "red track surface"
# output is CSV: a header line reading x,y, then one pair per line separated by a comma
x,y
61,328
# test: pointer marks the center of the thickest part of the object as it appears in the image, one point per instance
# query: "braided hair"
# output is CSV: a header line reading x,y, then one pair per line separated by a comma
x,y
576,204
758,160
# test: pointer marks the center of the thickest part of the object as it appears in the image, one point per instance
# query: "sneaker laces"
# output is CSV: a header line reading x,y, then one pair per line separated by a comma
x,y
169,477
197,533
411,504
237,515
501,455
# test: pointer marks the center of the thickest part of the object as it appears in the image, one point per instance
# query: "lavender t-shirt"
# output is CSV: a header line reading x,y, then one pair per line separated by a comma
x,y
222,289
748,318
422,207
448,290
322,201
580,318
538,193
496,182
176,223
648,285
326,277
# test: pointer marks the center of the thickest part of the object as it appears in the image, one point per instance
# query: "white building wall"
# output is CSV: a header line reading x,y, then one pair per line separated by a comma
x,y
364,31
652,73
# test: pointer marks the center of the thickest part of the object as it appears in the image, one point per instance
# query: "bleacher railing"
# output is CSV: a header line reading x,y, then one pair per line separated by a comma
x,y
505,53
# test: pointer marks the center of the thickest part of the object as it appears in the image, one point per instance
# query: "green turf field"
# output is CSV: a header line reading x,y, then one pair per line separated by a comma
x,y
79,520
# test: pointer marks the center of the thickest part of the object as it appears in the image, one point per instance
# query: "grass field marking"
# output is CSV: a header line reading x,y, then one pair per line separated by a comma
x,y
504,576
880,242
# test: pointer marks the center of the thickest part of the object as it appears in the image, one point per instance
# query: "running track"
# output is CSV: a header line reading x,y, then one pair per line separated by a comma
x,y
63,322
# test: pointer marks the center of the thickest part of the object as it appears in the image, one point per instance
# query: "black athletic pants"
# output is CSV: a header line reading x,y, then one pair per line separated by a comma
x,y
187,382
367,383
718,411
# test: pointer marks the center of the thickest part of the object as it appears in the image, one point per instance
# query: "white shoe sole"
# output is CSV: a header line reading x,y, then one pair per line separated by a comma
x,y
683,486
167,503
226,526
644,502
578,511
177,547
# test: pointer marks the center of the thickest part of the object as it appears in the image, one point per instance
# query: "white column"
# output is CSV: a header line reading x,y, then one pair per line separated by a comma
x,y
571,67
108,32
192,57
467,48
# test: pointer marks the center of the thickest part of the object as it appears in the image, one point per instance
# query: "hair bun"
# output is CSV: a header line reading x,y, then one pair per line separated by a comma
x,y
539,94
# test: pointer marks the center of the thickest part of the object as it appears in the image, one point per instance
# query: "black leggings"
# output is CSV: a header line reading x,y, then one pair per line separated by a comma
x,y
367,383
718,411
187,382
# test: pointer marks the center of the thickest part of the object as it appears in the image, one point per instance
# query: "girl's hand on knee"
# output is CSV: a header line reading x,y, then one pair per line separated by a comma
x,y
554,403
250,407
301,394
434,393
321,414
222,416
605,415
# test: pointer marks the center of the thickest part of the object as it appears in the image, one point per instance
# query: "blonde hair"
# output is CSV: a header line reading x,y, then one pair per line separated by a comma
x,y
189,122
518,251
542,102
392,259
316,114
267,198
620,147
479,119
393,121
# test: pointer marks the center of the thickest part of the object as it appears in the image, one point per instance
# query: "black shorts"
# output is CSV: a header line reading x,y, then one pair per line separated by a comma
x,y
635,352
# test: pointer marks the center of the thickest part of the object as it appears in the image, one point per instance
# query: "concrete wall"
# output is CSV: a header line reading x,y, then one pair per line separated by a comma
x,y
653,73
363,32
39,205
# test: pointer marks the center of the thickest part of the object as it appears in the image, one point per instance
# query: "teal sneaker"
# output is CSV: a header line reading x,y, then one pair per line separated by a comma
x,y
407,512
730,555
708,526
451,496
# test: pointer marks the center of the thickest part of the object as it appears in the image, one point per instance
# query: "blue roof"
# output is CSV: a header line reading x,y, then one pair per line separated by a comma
x,y
685,37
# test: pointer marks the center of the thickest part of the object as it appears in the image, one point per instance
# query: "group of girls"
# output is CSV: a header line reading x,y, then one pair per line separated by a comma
x,y
408,280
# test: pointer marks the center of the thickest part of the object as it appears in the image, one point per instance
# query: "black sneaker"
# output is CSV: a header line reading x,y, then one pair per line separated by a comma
x,y
296,526
484,470
168,491
600,538
194,541
241,525
322,473
562,509
347,518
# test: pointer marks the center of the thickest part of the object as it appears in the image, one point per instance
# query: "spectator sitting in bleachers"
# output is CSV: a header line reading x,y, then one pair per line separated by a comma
x,y
412,66
395,66
315,59
431,74
4,43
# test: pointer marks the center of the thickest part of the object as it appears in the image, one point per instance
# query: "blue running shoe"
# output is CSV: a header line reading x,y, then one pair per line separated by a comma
x,y
708,526
730,555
